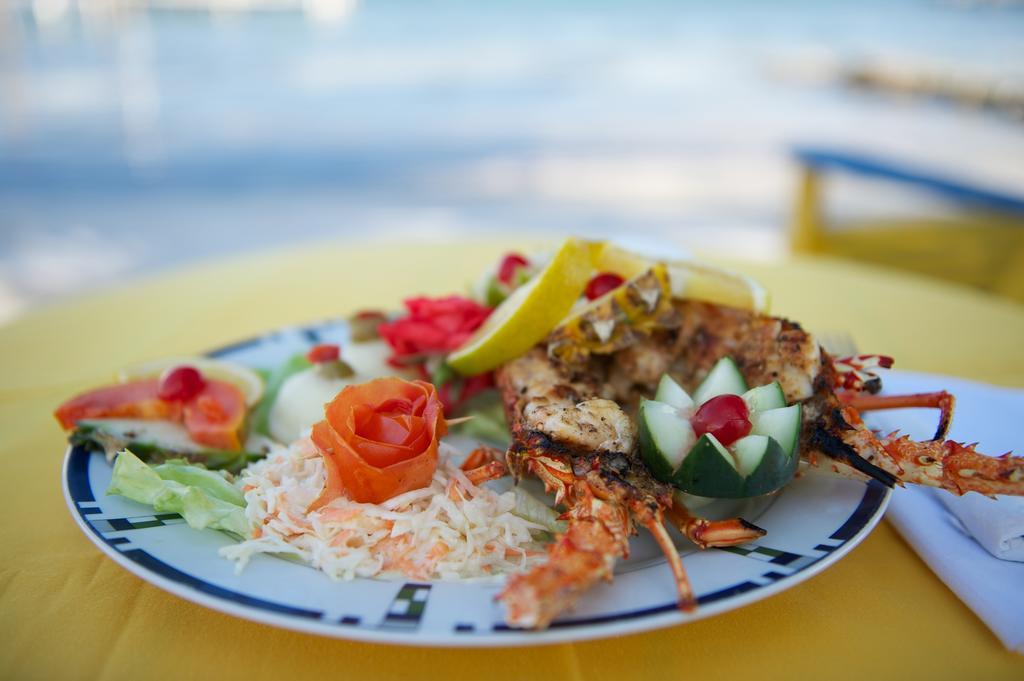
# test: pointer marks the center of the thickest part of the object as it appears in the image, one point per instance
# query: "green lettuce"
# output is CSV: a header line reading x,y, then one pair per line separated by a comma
x,y
529,507
488,422
259,418
204,498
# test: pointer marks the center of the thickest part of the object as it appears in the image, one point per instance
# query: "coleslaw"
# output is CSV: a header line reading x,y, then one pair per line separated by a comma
x,y
449,530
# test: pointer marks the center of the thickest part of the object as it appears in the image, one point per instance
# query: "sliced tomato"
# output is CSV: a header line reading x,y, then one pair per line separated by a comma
x,y
347,469
134,400
216,415
325,440
379,439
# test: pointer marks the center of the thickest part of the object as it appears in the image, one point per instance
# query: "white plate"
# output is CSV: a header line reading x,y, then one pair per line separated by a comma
x,y
811,524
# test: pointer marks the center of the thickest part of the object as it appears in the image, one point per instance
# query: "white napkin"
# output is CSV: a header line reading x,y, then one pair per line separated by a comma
x,y
992,588
997,524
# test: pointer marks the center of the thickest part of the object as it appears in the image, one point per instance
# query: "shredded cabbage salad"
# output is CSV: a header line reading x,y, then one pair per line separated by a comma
x,y
449,530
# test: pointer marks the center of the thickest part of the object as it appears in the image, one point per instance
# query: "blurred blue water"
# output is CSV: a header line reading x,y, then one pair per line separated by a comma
x,y
146,139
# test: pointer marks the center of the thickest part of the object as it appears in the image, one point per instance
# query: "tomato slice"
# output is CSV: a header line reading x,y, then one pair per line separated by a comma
x,y
134,400
324,440
379,439
214,417
363,482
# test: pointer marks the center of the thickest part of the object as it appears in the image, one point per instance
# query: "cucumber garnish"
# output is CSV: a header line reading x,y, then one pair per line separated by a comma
x,y
770,466
709,470
783,425
765,397
666,437
723,379
756,464
672,394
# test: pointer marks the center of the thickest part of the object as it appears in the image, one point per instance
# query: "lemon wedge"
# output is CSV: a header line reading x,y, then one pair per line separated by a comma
x,y
715,285
687,279
526,316
608,257
247,380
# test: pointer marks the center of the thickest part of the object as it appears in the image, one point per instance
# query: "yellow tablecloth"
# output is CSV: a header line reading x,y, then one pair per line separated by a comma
x,y
67,612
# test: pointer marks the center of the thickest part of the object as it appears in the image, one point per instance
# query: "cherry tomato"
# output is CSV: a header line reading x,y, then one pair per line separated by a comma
x,y
180,384
323,353
511,263
725,416
602,284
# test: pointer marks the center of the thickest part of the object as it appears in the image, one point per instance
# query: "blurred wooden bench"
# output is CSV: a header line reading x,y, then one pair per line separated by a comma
x,y
980,242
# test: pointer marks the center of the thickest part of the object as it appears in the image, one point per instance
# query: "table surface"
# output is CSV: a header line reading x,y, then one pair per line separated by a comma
x,y
878,612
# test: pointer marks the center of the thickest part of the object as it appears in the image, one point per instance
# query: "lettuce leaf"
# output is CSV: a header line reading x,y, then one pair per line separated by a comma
x,y
488,422
197,476
259,418
529,507
203,497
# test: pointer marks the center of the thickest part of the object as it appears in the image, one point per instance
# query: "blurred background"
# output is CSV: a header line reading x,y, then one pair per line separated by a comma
x,y
138,135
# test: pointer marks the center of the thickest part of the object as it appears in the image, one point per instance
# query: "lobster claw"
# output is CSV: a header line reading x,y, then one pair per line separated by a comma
x,y
941,400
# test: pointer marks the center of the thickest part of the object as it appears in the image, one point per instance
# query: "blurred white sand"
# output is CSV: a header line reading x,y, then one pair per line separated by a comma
x,y
144,141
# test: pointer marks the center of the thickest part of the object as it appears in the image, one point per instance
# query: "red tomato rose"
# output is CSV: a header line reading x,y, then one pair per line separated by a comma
x,y
379,439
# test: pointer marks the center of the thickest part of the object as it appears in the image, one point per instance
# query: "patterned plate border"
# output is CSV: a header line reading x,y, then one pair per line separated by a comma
x,y
400,624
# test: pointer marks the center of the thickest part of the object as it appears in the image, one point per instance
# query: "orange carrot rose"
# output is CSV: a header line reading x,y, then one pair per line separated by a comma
x,y
379,439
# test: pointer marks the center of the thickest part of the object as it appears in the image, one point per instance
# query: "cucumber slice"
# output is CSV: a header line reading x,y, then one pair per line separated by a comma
x,y
765,397
749,452
783,425
709,470
666,437
756,465
672,394
154,442
764,463
170,436
723,379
